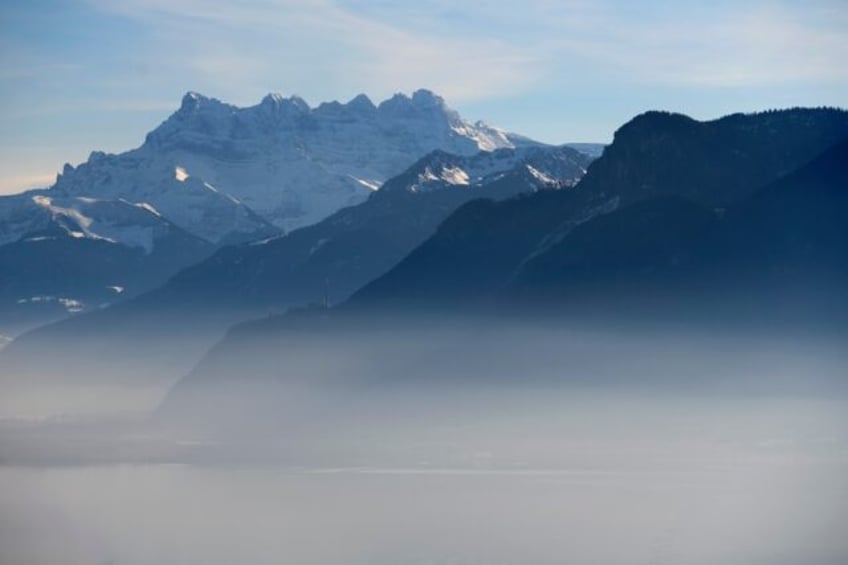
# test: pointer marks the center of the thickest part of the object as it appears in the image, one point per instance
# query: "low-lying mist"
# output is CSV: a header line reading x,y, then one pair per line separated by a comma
x,y
440,441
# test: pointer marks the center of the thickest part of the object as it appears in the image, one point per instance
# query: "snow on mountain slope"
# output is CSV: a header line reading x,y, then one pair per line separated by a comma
x,y
82,253
43,215
155,178
211,165
553,166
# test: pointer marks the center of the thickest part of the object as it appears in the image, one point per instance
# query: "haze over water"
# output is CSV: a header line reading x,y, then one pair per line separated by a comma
x,y
637,471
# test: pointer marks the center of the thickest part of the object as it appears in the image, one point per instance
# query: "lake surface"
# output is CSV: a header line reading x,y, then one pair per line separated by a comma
x,y
753,481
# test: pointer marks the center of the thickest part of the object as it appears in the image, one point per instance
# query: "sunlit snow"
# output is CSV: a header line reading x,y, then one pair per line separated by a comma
x,y
180,174
70,304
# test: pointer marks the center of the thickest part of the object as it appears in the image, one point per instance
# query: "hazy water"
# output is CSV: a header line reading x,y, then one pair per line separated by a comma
x,y
620,481
652,451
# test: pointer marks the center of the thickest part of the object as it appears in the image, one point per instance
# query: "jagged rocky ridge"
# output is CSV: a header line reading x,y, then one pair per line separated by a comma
x,y
219,171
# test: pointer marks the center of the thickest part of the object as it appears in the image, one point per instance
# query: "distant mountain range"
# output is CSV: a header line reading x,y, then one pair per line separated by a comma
x,y
225,173
743,218
324,262
733,225
335,257
217,175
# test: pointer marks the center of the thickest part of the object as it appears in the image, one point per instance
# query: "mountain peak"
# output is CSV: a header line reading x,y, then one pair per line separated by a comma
x,y
193,100
657,119
272,98
427,98
361,102
398,99
276,100
422,100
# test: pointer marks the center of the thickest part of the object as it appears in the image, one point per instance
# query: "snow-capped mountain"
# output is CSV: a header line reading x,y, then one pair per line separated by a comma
x,y
295,165
143,177
217,174
228,173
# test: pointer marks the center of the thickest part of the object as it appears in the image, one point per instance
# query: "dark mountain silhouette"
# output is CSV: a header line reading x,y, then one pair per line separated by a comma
x,y
676,161
782,251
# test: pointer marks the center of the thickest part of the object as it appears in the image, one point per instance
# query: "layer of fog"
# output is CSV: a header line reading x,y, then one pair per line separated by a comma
x,y
454,445
772,509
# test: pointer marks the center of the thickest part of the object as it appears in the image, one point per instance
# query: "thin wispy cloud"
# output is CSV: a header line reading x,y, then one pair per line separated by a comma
x,y
752,46
306,43
722,45
557,70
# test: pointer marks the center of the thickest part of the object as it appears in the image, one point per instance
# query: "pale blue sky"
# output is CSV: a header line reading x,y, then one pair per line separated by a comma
x,y
98,74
